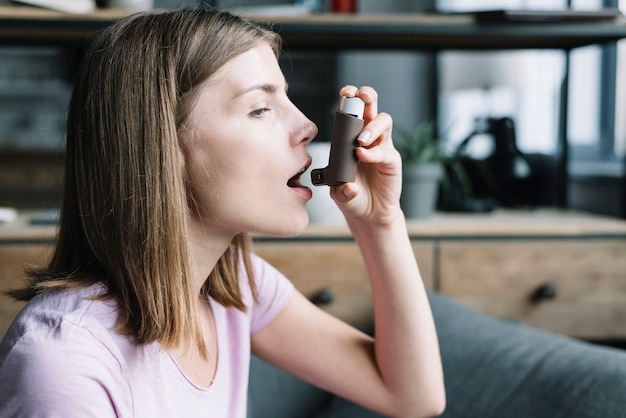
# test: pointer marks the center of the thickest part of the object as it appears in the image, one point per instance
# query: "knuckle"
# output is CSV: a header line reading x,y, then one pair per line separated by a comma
x,y
386,118
369,91
348,89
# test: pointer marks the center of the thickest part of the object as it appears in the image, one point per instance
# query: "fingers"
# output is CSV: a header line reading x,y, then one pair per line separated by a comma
x,y
370,97
377,130
344,193
367,94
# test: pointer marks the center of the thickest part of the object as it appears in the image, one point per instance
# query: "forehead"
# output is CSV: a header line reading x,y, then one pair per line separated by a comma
x,y
254,66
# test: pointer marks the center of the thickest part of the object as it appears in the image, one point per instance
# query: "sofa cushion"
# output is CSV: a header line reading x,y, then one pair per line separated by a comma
x,y
496,368
277,394
492,368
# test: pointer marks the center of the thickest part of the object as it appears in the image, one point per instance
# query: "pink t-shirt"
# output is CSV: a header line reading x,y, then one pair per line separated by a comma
x,y
62,358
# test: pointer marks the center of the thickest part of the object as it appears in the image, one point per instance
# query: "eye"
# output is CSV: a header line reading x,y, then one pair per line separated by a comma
x,y
259,112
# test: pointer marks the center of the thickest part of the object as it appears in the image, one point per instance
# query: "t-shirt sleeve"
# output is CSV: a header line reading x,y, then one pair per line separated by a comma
x,y
45,376
274,291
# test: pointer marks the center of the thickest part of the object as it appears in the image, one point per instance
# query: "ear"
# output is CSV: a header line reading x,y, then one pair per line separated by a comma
x,y
181,158
184,147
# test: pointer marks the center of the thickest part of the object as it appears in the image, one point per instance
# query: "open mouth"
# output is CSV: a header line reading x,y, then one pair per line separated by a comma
x,y
295,180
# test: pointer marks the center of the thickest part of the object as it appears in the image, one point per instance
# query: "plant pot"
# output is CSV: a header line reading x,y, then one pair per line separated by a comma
x,y
420,189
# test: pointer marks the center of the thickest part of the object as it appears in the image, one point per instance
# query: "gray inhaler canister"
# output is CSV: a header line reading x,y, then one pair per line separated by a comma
x,y
342,162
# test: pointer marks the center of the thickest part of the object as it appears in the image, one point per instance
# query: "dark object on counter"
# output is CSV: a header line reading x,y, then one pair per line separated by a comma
x,y
506,178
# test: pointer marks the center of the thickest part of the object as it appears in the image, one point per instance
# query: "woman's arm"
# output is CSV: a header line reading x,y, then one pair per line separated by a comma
x,y
406,345
398,373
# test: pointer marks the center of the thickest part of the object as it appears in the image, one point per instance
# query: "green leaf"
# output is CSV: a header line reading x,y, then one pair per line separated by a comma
x,y
420,145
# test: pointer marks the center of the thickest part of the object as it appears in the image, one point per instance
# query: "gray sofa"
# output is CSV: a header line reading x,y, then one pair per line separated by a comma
x,y
493,369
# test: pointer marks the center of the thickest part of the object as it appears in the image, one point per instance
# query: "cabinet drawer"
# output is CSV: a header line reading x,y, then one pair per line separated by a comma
x,y
13,259
500,278
337,266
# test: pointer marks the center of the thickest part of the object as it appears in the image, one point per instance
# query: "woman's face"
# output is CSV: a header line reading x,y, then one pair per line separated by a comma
x,y
244,146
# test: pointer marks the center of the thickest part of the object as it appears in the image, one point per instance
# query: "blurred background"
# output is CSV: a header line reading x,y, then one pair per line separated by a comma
x,y
457,90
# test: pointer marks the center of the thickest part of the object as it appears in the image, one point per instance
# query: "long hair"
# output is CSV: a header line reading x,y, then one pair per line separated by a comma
x,y
125,210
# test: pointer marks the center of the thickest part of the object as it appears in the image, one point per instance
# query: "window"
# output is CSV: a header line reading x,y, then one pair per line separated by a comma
x,y
620,95
596,129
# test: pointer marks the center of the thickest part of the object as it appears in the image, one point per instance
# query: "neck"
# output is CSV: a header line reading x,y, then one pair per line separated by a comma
x,y
207,245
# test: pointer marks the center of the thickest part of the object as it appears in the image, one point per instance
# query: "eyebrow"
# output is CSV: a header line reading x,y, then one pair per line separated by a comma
x,y
265,87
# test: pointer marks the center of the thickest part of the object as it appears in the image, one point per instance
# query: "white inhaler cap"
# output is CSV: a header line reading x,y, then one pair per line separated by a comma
x,y
352,106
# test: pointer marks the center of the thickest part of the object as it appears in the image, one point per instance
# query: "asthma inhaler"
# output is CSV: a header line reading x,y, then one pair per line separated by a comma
x,y
342,162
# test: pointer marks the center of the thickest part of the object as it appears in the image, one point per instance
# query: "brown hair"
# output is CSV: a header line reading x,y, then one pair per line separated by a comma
x,y
124,215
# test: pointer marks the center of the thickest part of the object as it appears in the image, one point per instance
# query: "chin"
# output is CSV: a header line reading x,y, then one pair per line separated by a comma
x,y
292,228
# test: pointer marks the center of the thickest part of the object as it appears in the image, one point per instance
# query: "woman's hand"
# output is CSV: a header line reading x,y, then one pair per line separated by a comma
x,y
374,197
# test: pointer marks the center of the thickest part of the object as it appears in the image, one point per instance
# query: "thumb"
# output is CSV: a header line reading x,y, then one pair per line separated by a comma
x,y
344,193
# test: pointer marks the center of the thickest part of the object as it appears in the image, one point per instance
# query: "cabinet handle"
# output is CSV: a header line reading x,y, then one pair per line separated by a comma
x,y
546,291
323,297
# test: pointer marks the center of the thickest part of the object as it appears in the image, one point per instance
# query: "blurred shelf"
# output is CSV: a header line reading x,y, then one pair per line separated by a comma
x,y
33,89
546,223
23,25
427,31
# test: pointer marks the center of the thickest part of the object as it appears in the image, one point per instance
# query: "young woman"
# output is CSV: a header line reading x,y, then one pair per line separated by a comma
x,y
181,140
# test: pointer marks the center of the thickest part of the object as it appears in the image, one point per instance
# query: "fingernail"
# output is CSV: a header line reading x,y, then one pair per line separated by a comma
x,y
364,137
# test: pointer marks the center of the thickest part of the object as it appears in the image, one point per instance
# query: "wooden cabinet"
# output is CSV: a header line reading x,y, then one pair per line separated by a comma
x,y
557,270
331,267
14,256
569,286
560,271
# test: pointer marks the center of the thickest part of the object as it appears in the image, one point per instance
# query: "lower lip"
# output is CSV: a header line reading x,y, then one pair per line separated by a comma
x,y
303,192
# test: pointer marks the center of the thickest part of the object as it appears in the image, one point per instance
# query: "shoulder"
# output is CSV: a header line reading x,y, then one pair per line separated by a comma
x,y
60,322
62,309
56,354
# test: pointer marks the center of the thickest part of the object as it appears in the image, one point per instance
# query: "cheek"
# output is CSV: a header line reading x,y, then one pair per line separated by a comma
x,y
219,181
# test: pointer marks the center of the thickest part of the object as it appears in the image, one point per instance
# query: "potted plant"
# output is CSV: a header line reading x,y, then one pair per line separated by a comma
x,y
422,168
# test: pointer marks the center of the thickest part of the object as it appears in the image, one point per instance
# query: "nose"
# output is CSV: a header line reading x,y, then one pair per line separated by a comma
x,y
306,129
311,131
